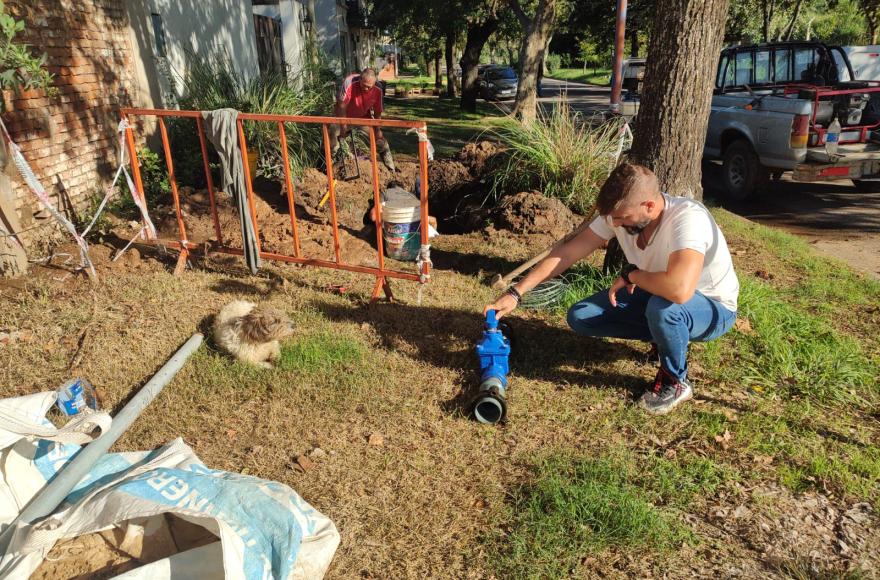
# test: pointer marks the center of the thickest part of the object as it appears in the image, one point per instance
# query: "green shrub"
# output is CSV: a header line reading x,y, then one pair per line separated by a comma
x,y
213,84
562,155
18,67
154,178
553,62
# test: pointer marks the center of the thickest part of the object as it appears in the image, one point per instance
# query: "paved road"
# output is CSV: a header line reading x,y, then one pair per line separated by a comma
x,y
582,98
835,217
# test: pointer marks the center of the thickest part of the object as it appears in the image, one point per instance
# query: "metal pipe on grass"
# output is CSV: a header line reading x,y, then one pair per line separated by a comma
x,y
51,496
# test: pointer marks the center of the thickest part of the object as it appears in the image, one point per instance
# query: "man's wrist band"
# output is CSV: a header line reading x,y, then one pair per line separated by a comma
x,y
515,293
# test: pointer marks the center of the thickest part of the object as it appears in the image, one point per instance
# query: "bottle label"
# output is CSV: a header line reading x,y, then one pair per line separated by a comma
x,y
70,398
73,406
832,137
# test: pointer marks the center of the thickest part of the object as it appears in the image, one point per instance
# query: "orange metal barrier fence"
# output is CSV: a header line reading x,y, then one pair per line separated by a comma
x,y
381,272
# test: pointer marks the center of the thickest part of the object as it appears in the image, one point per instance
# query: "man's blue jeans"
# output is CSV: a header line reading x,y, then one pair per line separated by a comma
x,y
644,316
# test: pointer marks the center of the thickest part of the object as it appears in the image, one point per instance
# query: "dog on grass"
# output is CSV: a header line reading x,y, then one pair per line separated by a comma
x,y
251,333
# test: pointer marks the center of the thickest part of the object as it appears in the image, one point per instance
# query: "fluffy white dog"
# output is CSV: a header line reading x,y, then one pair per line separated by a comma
x,y
251,333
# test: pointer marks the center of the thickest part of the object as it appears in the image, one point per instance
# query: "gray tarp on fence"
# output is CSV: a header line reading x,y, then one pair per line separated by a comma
x,y
222,130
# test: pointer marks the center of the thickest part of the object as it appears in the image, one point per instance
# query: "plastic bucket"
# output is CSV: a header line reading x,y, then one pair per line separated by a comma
x,y
400,229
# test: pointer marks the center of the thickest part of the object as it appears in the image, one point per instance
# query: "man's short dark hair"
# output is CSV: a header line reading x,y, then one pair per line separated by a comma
x,y
624,180
368,72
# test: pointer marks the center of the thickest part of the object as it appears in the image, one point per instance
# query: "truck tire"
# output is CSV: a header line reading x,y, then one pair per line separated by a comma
x,y
867,185
742,173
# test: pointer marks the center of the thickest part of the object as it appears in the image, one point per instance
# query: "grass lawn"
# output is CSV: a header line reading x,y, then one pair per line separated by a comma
x,y
600,76
579,482
449,127
416,81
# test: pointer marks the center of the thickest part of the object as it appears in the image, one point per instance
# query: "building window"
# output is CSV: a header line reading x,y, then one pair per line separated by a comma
x,y
159,35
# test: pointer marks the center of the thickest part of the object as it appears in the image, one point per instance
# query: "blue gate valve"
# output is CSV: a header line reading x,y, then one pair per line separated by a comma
x,y
490,404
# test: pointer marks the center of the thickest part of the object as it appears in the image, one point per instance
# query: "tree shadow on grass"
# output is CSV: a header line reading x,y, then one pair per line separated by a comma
x,y
470,263
794,425
447,338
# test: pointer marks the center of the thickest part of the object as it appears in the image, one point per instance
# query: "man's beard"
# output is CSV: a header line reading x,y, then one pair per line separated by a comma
x,y
638,228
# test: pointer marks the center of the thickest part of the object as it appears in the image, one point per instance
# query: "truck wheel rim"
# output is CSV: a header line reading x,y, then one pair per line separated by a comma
x,y
736,174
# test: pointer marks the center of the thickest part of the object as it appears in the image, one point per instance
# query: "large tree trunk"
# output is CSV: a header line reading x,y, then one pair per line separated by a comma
x,y
429,64
634,45
872,19
477,35
438,74
786,34
450,64
674,111
313,39
538,31
767,11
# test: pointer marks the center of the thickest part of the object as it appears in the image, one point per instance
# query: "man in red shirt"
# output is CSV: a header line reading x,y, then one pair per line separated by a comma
x,y
360,98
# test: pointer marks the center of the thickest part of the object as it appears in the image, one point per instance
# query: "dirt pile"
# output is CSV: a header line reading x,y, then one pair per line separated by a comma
x,y
446,177
459,198
112,552
530,212
477,156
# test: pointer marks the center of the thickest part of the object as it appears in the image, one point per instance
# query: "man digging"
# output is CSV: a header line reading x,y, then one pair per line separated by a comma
x,y
359,98
678,287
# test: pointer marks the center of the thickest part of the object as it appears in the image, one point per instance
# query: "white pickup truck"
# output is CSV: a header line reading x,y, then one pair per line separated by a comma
x,y
771,109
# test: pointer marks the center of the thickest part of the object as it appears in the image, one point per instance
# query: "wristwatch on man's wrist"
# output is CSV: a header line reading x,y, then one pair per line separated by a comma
x,y
627,270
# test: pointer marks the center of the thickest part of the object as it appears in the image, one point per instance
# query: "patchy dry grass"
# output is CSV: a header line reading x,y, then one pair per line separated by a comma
x,y
578,482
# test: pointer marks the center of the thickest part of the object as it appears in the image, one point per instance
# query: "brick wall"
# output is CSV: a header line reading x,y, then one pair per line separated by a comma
x,y
70,139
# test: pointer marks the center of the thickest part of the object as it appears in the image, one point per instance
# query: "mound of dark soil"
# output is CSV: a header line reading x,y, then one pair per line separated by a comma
x,y
530,212
476,156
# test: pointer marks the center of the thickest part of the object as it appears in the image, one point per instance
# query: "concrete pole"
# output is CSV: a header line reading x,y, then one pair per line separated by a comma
x,y
617,72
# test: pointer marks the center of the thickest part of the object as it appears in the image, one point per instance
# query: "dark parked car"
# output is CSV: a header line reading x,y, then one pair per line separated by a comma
x,y
498,82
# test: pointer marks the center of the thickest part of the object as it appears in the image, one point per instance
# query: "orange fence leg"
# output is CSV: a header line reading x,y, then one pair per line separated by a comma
x,y
382,284
184,243
136,173
247,179
331,190
200,127
289,183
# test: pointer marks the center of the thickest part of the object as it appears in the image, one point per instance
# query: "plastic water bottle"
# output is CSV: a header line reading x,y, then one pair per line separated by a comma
x,y
832,137
75,395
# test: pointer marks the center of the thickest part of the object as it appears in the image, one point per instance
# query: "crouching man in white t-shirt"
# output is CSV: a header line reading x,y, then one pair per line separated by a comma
x,y
678,287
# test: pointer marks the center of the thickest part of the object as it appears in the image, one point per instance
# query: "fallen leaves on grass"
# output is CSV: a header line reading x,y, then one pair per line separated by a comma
x,y
743,325
304,463
376,440
724,439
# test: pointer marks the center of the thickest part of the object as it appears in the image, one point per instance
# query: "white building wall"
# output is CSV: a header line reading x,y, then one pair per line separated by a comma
x,y
203,27
332,33
293,35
